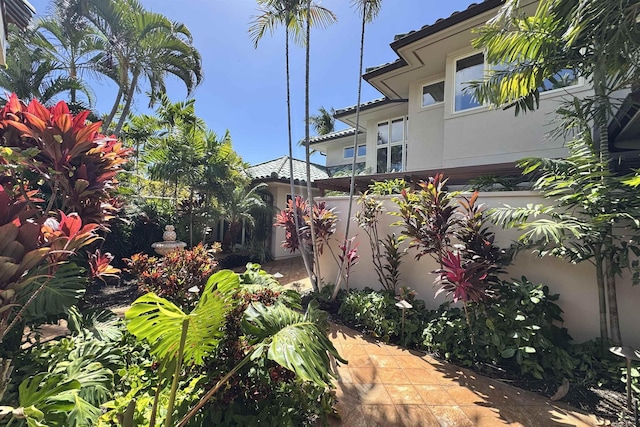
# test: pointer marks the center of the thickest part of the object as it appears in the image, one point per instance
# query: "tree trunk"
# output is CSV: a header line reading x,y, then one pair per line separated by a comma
x,y
303,253
312,227
107,122
352,182
127,105
612,298
602,299
601,121
191,217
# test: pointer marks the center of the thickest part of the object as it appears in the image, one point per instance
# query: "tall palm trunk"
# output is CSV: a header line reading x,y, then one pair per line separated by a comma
x,y
602,295
316,258
107,122
352,182
127,105
303,252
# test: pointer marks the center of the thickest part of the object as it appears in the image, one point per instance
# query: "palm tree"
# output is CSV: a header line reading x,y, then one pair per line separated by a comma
x,y
599,41
70,40
142,47
323,122
31,72
368,9
237,209
290,14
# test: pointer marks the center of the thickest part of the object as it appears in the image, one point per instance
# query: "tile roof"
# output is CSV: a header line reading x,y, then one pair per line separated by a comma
x,y
367,105
458,16
333,135
405,39
19,12
278,169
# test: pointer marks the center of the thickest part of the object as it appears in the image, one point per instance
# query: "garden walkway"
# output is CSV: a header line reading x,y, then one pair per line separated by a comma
x,y
385,385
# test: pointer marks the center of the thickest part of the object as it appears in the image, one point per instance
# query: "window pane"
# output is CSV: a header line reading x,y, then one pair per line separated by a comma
x,y
383,133
467,70
397,130
432,94
381,160
396,158
348,152
362,150
561,79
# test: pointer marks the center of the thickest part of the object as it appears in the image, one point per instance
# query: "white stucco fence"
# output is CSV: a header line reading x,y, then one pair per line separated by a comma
x,y
576,284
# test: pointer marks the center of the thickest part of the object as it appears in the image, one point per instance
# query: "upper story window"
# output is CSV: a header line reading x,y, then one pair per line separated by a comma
x,y
432,94
563,78
348,151
468,69
391,146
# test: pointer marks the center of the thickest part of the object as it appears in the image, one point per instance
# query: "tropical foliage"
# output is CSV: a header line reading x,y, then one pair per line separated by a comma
x,y
597,41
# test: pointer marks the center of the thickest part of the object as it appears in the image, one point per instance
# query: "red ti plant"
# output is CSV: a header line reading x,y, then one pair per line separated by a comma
x,y
348,257
324,221
465,280
57,178
428,217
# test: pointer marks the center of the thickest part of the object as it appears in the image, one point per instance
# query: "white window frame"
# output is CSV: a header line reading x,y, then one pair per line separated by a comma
x,y
454,64
430,83
388,145
344,154
452,91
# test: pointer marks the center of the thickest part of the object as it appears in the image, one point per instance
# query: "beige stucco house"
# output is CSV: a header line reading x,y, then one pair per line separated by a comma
x,y
425,121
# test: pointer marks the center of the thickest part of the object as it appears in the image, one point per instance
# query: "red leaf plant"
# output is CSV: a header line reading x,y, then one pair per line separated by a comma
x,y
57,179
466,281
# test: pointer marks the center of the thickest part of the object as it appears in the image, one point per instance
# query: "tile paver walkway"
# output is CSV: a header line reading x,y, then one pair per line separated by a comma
x,y
384,385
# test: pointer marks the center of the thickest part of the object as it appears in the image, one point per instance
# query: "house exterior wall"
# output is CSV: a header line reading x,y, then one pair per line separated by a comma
x,y
335,155
439,137
575,284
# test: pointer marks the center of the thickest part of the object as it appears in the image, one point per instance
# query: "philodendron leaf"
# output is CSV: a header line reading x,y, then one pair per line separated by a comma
x,y
293,341
159,322
83,413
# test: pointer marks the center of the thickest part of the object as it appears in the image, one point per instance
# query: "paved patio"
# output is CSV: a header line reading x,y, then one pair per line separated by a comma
x,y
385,385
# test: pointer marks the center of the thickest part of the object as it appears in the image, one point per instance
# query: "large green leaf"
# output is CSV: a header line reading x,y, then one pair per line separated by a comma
x,y
83,413
59,294
96,381
102,324
291,340
159,322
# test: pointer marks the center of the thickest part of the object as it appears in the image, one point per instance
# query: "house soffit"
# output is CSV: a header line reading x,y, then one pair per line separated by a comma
x,y
424,57
390,110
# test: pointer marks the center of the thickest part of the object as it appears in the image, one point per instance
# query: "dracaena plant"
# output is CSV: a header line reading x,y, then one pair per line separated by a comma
x,y
428,217
57,177
324,222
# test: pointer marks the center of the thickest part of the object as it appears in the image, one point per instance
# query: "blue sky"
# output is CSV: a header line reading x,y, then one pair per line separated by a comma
x,y
244,89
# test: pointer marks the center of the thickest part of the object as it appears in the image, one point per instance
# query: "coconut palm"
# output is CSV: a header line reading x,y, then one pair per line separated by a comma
x,y
291,14
237,210
368,10
70,40
599,41
323,122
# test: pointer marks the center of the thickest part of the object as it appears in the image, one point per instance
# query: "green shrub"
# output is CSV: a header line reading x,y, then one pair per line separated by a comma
x,y
514,329
376,313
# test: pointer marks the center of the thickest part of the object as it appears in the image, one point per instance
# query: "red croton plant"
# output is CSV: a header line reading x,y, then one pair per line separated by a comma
x,y
57,178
